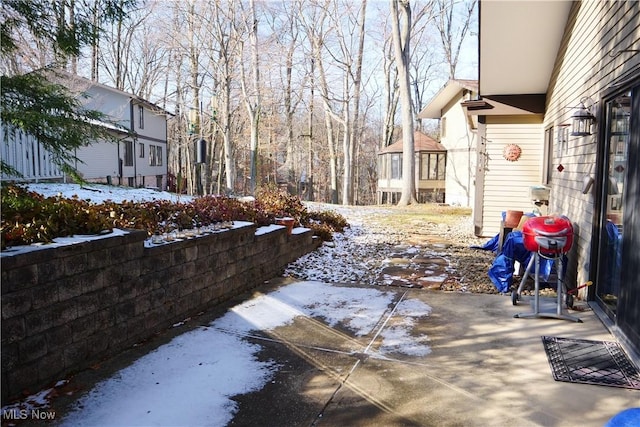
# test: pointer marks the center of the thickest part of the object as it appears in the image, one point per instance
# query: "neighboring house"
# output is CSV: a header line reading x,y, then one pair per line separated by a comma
x,y
493,147
458,136
135,161
430,165
542,60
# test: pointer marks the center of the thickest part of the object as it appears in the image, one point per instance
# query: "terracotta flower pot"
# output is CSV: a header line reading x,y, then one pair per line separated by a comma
x,y
512,218
287,222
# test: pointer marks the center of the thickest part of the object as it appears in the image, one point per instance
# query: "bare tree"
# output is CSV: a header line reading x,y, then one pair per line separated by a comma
x,y
424,67
251,90
401,11
120,10
391,92
426,64
357,86
453,31
349,26
314,18
264,112
114,52
287,44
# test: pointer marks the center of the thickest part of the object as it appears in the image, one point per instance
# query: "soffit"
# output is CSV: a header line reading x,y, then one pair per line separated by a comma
x,y
519,42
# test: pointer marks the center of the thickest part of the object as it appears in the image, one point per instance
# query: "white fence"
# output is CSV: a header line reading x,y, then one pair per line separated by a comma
x,y
26,155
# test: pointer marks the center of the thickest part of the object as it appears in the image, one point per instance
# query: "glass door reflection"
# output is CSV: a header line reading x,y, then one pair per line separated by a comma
x,y
610,253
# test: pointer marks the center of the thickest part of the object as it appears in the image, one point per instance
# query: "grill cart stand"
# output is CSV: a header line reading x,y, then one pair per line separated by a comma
x,y
549,237
535,259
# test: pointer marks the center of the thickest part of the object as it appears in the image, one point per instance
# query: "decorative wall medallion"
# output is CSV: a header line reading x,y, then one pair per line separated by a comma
x,y
512,152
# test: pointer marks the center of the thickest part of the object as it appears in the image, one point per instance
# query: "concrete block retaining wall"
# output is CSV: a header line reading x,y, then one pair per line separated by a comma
x,y
67,308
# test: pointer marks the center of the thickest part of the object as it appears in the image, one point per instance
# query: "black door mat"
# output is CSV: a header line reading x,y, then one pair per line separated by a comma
x,y
591,362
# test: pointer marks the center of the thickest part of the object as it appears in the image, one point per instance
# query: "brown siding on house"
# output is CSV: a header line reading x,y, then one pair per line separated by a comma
x,y
590,60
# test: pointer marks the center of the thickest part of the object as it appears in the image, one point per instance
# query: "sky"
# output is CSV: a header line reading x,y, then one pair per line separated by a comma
x,y
191,380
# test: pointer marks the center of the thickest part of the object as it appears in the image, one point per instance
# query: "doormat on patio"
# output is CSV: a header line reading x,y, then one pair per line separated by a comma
x,y
591,362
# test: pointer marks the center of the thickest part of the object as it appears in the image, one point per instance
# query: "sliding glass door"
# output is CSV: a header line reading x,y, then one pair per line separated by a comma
x,y
618,259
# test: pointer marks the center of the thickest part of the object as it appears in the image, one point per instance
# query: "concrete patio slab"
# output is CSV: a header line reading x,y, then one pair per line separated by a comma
x,y
485,368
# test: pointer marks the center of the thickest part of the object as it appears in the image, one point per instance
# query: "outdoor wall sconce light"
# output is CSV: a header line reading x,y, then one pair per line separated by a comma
x,y
621,115
582,119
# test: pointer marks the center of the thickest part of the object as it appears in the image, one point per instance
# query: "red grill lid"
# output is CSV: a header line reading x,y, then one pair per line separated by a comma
x,y
549,234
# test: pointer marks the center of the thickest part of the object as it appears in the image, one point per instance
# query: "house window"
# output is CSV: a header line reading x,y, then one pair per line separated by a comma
x,y
396,166
443,127
442,164
382,169
140,150
548,154
128,153
155,155
152,155
424,165
432,166
141,116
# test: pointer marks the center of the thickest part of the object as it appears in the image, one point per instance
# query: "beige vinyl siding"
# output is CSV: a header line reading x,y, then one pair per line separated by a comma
x,y
460,143
589,62
507,184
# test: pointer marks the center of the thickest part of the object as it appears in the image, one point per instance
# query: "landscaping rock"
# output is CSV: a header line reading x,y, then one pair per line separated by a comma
x,y
377,250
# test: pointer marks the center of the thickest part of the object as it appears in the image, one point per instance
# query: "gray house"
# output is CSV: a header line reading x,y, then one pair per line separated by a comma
x,y
136,161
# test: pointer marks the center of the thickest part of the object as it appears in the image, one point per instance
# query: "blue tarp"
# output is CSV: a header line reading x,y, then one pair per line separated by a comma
x,y
491,245
502,269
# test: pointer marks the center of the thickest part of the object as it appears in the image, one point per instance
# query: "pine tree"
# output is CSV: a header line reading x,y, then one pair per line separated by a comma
x,y
34,102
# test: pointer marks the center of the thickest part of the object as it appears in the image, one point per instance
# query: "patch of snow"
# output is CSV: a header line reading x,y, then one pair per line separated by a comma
x,y
190,381
100,193
436,279
397,339
268,229
61,241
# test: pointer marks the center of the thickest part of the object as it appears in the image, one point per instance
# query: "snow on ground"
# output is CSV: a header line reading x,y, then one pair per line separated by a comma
x,y
95,193
191,380
99,193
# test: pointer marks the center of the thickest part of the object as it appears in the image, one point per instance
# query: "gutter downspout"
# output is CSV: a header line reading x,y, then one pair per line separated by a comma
x,y
133,148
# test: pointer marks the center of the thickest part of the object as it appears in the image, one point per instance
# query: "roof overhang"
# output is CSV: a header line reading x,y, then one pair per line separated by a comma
x,y
434,108
506,105
519,42
503,105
